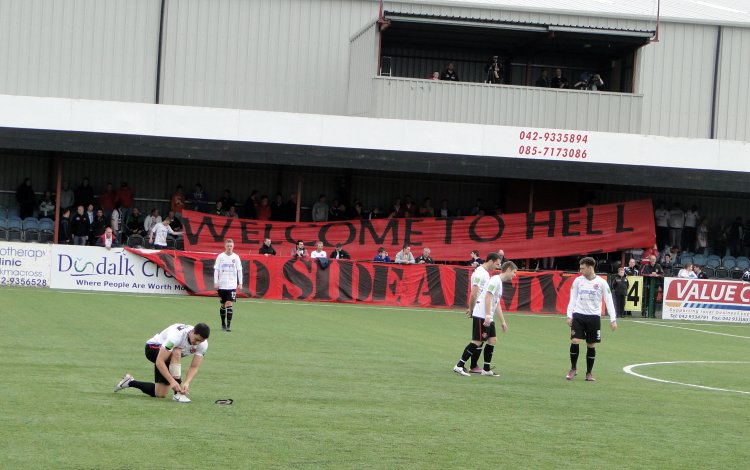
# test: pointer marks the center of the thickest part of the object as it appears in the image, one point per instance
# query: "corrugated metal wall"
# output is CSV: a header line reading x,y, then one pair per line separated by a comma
x,y
93,49
363,57
403,98
733,99
675,77
281,55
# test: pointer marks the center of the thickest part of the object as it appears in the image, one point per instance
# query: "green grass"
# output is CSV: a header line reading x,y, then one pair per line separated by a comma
x,y
336,386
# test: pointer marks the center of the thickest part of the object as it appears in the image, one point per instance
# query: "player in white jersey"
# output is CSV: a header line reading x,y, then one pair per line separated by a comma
x,y
166,350
585,314
479,279
227,279
483,324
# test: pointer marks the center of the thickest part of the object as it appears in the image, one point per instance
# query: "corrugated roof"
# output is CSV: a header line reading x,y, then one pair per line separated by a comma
x,y
725,12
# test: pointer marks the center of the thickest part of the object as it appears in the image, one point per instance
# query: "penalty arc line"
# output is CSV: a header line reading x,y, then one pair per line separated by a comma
x,y
629,370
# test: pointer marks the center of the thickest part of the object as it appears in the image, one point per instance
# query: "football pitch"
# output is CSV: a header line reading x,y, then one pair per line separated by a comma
x,y
320,385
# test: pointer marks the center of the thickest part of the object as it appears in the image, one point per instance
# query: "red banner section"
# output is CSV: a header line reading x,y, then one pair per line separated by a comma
x,y
432,285
568,232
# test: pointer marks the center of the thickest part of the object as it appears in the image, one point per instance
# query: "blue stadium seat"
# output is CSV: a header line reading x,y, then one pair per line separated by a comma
x,y
743,263
729,262
15,230
686,258
699,259
713,261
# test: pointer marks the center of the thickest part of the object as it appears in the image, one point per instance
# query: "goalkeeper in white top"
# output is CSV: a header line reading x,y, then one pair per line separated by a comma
x,y
483,324
585,314
227,279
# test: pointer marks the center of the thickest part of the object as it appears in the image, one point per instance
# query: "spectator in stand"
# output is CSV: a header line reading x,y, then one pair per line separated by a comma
x,y
410,209
339,253
687,272
588,81
692,218
100,225
444,211
47,206
115,221
666,262
26,199
79,226
320,210
151,220
676,222
405,256
337,211
632,268
84,193
126,200
746,239
318,252
232,213
357,211
424,258
449,73
718,238
278,208
266,248
559,81
426,209
227,200
108,200
177,201
699,272
91,215
661,218
478,208
251,204
701,238
435,76
134,224
263,211
174,222
382,256
543,81
475,261
653,268
219,209
108,239
290,208
199,199
158,234
299,250
65,233
619,291
67,196
493,71
501,256
654,250
735,234
375,213
397,209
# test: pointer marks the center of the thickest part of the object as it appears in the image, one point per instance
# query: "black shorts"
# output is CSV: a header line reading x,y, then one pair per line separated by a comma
x,y
152,352
479,332
227,295
587,327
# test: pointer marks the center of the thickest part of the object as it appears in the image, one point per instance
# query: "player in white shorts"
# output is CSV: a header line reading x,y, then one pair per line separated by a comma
x,y
227,279
166,350
479,279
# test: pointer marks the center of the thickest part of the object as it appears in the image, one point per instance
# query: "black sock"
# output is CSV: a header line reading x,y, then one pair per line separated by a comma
x,y
488,350
468,352
590,357
223,315
149,388
573,355
229,316
475,357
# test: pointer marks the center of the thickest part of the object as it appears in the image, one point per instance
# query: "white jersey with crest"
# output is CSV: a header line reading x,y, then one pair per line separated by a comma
x,y
495,287
479,277
176,336
228,271
586,298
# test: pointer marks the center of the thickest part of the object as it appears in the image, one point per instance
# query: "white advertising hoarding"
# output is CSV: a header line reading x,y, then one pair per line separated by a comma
x,y
115,270
706,300
25,264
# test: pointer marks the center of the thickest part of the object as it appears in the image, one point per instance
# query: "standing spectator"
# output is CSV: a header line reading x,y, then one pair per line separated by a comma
x,y
444,211
449,73
320,210
67,196
405,256
339,253
26,199
263,210
135,223
84,193
620,288
177,201
65,235
266,248
318,252
277,208
735,234
661,217
653,268
397,209
543,81
375,214
435,76
676,222
99,225
382,256
337,211
115,221
79,226
692,218
475,261
219,209
158,234
108,239
632,268
718,238
478,208
199,199
251,203
424,258
493,71
47,206
151,220
227,200
107,200
357,212
410,209
426,209
559,81
126,200
290,208
701,237
654,250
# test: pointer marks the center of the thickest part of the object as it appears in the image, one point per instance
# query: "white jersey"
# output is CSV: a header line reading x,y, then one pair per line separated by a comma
x,y
160,232
662,217
495,287
228,271
318,254
586,298
479,278
176,336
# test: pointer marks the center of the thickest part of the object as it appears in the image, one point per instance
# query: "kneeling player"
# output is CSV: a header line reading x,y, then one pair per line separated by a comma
x,y
166,350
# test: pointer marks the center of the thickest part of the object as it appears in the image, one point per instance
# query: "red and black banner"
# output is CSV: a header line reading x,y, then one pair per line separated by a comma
x,y
441,286
567,232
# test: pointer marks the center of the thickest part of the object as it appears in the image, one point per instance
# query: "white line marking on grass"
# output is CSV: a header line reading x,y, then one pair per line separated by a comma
x,y
691,329
629,370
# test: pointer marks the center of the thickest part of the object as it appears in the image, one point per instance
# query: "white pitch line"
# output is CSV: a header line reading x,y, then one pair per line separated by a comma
x,y
629,370
691,329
